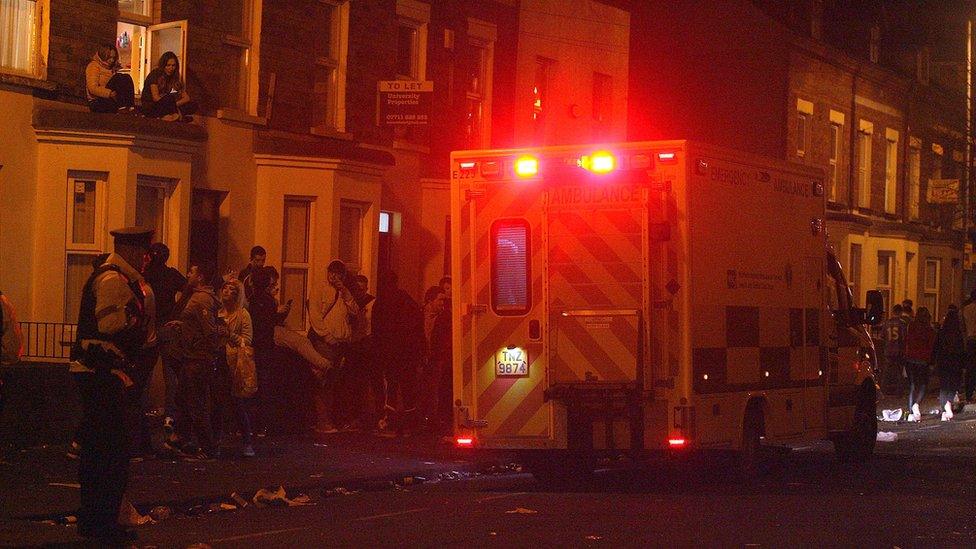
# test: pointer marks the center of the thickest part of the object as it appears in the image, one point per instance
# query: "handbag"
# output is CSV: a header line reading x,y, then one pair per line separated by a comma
x,y
244,376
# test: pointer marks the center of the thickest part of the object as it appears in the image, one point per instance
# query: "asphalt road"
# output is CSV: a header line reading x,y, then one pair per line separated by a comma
x,y
919,491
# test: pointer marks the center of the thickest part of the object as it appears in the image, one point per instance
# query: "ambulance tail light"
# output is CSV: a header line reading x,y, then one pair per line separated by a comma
x,y
677,442
600,162
667,157
465,442
527,166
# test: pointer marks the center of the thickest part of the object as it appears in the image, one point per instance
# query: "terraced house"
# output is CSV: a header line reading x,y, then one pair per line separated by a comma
x,y
297,145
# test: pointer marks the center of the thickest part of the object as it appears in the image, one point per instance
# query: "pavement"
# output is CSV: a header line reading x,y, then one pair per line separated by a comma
x,y
40,490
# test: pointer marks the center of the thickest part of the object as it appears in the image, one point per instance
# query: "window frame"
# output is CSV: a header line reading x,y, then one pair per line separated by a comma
x,y
40,43
493,270
933,291
166,187
891,171
249,44
363,211
914,167
333,119
856,256
887,288
833,160
414,15
481,38
303,266
83,249
864,161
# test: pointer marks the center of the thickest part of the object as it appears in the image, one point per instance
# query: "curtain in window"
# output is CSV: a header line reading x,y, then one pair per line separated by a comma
x,y
17,34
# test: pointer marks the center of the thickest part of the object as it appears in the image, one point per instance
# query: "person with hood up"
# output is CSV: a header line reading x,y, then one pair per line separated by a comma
x,y
950,354
107,89
200,334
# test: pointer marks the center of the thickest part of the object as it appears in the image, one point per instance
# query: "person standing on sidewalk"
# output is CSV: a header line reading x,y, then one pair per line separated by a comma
x,y
950,353
112,329
166,282
199,335
919,342
894,349
239,336
969,319
256,261
398,334
331,314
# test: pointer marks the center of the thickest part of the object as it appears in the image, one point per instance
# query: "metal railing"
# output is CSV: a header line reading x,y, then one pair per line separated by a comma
x,y
50,341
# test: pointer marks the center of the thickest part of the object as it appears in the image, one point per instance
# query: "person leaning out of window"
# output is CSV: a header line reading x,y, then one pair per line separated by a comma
x,y
164,93
107,89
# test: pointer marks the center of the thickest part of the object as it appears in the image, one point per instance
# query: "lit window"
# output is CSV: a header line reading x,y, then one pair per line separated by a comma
x,y
23,37
384,222
135,18
479,80
510,256
540,89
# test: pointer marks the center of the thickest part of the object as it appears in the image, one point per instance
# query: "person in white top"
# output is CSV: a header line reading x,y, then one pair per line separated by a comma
x,y
332,312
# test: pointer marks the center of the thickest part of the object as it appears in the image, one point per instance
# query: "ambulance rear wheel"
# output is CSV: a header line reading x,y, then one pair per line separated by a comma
x,y
857,445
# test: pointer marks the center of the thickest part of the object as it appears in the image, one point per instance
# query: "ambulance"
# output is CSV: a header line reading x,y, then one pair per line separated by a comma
x,y
651,297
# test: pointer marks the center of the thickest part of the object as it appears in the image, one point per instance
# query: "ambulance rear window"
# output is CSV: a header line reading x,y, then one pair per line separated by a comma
x,y
510,256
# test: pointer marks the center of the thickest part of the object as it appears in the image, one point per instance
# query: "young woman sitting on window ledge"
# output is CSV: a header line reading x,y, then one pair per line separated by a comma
x,y
108,90
164,94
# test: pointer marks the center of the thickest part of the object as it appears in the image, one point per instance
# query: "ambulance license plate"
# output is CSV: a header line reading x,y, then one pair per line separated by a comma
x,y
512,362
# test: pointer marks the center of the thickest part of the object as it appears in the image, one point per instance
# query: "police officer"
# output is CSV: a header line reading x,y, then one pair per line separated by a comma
x,y
112,330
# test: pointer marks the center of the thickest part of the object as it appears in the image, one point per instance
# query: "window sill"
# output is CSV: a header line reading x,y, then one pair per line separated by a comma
x,y
327,131
403,145
238,116
27,81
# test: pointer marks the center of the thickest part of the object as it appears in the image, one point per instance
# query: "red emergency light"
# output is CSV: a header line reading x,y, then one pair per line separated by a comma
x,y
526,166
667,157
677,442
465,442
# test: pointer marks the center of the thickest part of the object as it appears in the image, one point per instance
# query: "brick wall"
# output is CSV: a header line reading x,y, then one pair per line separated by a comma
x,y
73,40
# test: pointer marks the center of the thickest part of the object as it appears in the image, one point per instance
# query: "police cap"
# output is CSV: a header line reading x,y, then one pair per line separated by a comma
x,y
133,236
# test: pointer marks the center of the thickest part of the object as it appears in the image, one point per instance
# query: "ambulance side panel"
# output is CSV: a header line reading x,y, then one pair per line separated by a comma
x,y
756,298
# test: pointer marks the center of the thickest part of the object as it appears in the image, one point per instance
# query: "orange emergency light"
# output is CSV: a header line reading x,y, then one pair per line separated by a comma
x,y
526,166
600,162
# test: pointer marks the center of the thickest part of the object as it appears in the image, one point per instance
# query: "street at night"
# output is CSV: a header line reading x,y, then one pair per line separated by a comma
x,y
919,491
465,273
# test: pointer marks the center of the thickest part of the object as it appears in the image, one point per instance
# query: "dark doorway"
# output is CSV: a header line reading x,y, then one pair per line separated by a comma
x,y
205,227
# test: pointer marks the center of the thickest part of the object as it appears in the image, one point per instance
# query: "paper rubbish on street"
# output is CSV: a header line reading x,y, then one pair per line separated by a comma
x,y
891,415
278,497
887,436
521,511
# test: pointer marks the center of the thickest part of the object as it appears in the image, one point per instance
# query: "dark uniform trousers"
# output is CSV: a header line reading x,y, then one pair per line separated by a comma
x,y
103,469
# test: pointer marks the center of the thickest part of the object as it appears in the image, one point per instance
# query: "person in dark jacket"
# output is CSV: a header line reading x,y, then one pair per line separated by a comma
x,y
398,336
950,354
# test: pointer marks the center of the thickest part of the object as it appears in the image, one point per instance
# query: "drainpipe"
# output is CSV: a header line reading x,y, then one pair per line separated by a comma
x,y
969,127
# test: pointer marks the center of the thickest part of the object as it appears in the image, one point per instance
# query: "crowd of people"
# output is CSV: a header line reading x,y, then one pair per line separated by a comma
x,y
163,93
914,348
367,353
